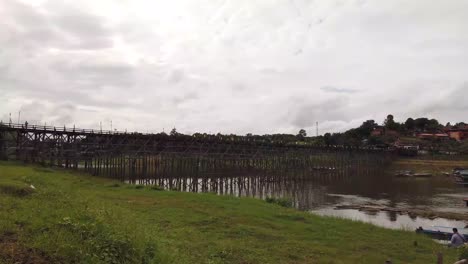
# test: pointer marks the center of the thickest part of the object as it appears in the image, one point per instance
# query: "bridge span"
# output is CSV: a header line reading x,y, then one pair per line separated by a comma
x,y
137,156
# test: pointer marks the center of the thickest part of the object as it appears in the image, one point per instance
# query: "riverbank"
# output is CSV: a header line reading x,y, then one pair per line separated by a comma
x,y
437,167
52,215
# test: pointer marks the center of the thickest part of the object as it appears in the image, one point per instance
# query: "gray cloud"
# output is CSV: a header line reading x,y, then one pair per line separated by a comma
x,y
232,67
307,114
332,89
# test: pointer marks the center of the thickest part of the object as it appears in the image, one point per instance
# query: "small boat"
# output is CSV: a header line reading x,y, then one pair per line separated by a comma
x,y
406,173
458,169
422,175
436,234
466,201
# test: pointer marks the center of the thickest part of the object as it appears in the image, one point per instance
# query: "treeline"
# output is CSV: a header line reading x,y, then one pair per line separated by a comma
x,y
390,131
269,139
355,137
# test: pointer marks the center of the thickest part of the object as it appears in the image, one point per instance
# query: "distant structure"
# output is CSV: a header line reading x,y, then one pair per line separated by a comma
x,y
458,134
317,130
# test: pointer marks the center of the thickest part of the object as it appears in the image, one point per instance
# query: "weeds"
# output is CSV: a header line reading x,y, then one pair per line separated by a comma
x,y
107,246
280,201
17,190
156,188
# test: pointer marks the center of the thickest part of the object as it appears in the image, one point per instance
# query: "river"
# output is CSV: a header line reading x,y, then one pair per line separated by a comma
x,y
322,191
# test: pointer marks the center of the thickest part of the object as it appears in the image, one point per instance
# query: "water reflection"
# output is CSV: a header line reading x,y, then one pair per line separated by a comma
x,y
392,220
320,191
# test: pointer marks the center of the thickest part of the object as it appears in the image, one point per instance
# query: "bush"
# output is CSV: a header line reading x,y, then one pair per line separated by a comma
x,y
139,186
17,190
279,201
100,244
464,252
156,188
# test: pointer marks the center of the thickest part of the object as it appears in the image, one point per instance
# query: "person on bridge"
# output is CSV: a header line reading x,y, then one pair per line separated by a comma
x,y
457,239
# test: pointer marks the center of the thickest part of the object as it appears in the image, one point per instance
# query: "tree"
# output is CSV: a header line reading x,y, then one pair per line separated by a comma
x,y
174,132
410,124
389,120
328,139
390,124
302,134
421,123
366,128
433,125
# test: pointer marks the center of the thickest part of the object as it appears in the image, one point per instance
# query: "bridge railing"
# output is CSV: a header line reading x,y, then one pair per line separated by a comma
x,y
208,139
29,127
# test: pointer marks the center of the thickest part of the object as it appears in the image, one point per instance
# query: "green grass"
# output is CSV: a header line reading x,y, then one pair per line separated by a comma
x,y
75,218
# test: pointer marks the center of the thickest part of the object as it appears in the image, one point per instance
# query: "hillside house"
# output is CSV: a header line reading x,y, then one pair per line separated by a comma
x,y
382,131
458,134
431,136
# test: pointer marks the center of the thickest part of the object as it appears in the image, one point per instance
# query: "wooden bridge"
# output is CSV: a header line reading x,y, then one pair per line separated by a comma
x,y
146,157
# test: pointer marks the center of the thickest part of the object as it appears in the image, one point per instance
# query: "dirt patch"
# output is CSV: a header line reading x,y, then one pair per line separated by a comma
x,y
11,251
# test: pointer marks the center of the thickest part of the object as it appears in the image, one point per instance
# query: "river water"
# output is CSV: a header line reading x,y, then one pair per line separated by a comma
x,y
321,192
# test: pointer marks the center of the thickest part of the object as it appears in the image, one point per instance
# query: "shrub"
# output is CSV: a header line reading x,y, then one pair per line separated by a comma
x,y
139,186
279,201
156,188
18,190
101,244
464,252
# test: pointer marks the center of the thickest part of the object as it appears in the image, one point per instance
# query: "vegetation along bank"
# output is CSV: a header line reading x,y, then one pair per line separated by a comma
x,y
57,216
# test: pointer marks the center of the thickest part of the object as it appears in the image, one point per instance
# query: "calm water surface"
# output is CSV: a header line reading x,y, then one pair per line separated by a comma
x,y
322,191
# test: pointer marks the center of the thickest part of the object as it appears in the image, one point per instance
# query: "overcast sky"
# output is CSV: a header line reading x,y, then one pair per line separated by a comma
x,y
232,66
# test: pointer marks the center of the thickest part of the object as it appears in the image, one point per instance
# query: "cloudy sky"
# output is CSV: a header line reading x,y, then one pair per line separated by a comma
x,y
232,66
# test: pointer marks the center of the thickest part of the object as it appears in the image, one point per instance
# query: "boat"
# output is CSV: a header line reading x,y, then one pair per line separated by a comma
x,y
466,201
436,234
422,175
458,170
406,173
409,173
461,176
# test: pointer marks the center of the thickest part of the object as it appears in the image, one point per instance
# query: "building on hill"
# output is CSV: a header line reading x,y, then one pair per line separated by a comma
x,y
458,134
382,131
440,136
378,131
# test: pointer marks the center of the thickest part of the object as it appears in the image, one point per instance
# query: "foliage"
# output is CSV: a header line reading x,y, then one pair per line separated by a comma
x,y
107,246
156,188
464,252
16,189
301,134
280,201
174,132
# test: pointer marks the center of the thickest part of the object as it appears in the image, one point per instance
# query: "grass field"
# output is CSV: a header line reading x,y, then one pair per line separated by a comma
x,y
73,218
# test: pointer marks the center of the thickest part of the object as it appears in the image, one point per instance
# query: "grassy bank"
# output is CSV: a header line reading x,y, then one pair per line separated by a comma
x,y
74,218
435,166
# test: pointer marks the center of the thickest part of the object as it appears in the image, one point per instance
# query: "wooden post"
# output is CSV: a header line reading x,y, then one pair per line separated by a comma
x,y
440,258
